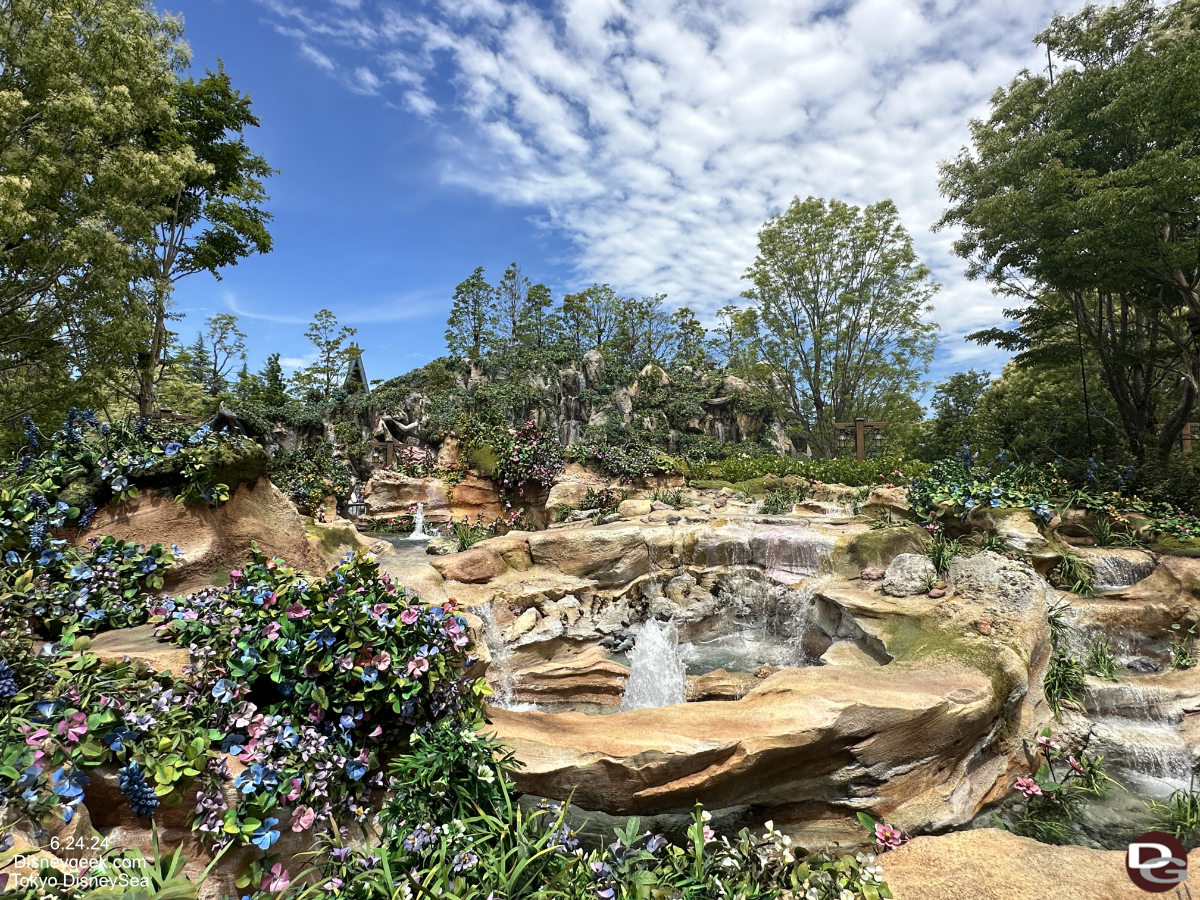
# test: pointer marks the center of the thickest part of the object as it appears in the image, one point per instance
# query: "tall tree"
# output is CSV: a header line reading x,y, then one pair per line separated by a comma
x,y
1084,185
213,217
840,294
469,330
328,372
954,402
590,317
225,345
83,81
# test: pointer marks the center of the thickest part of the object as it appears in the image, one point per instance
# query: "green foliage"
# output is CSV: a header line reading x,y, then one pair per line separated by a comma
x,y
1064,681
1037,197
781,501
1051,798
1100,660
319,381
1073,573
90,88
941,550
954,402
469,533
846,336
309,474
673,497
1179,815
527,460
1183,647
839,470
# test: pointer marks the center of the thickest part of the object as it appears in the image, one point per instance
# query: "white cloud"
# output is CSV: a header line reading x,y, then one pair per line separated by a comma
x,y
659,134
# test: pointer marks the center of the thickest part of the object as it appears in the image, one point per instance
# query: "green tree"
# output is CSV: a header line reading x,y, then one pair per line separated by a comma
x,y
469,330
840,295
1085,185
226,347
213,217
953,421
328,372
268,386
590,318
689,341
81,83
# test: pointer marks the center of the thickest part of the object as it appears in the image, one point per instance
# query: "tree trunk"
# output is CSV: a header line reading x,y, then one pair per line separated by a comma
x,y
150,364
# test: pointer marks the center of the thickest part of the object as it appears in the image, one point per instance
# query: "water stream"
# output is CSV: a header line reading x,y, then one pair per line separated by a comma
x,y
657,670
418,532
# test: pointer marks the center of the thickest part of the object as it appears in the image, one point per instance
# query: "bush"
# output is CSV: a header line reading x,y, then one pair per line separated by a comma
x,y
310,474
745,467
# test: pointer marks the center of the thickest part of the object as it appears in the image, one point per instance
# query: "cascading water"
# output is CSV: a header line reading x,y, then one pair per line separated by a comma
x,y
657,671
503,680
418,532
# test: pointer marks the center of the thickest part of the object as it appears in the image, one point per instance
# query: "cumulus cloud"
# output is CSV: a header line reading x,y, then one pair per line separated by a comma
x,y
659,134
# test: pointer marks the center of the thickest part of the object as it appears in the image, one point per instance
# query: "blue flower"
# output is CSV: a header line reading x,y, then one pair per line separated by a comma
x,y
233,743
116,739
223,690
326,638
289,737
173,448
12,558
81,571
996,492
995,503
148,565
356,769
370,674
265,835
198,438
120,483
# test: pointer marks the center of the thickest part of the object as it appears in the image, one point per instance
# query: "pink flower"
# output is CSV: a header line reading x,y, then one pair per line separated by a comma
x,y
34,739
73,727
1075,765
889,837
303,818
296,611
295,791
410,615
277,880
315,713
1029,787
379,609
346,663
271,631
235,576
383,661
1046,743
709,835
333,884
418,666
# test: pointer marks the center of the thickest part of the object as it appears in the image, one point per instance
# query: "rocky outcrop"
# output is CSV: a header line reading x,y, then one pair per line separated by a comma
x,y
213,541
909,574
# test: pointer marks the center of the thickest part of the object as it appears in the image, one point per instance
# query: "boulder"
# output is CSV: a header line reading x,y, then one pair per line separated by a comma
x,y
720,685
593,368
441,546
560,672
513,549
570,494
213,541
890,500
474,566
859,737
634,509
476,496
334,540
847,653
1010,586
1017,527
859,547
610,554
908,574
388,493
992,864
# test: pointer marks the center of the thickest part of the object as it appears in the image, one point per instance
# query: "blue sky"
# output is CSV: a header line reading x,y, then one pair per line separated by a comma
x,y
638,143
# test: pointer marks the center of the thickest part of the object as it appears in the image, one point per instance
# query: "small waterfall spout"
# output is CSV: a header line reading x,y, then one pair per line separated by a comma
x,y
657,671
502,680
418,532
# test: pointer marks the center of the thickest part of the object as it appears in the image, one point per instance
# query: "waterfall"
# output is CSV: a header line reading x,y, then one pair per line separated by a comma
x,y
803,620
502,680
418,532
1111,572
657,672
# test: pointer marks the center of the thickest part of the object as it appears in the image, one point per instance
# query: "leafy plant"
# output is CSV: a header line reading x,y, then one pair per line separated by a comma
x,y
1074,574
673,497
1064,681
1179,815
1103,532
1051,798
941,550
781,501
1183,647
1100,660
994,544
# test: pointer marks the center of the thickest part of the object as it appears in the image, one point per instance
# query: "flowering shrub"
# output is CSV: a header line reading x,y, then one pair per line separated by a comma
x,y
1049,799
310,474
84,589
529,458
102,460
